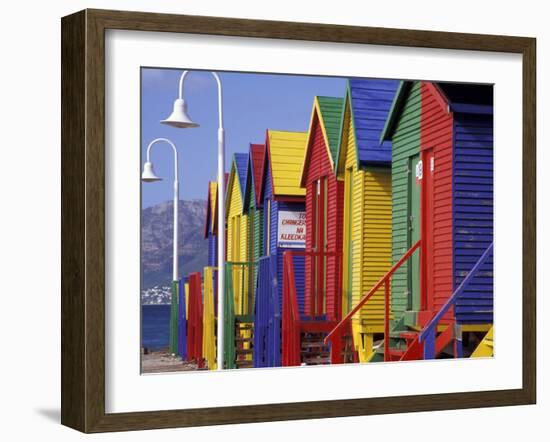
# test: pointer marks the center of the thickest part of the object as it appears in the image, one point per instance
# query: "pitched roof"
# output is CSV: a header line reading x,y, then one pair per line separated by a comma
x,y
286,155
331,118
328,111
257,163
239,166
211,221
369,101
211,204
466,98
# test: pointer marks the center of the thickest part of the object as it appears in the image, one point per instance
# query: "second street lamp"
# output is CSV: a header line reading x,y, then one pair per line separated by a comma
x,y
149,176
180,119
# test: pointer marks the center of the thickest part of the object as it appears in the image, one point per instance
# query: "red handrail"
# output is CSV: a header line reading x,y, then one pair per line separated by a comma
x,y
291,315
291,312
383,281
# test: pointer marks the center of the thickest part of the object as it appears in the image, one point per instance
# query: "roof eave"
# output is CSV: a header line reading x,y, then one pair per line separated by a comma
x,y
314,110
395,110
342,122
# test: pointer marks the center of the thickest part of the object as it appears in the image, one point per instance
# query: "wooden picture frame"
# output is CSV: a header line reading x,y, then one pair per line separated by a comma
x,y
83,220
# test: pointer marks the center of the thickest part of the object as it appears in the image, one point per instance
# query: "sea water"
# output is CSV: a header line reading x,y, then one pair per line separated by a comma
x,y
155,326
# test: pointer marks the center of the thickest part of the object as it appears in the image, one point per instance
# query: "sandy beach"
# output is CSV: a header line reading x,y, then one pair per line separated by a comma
x,y
163,362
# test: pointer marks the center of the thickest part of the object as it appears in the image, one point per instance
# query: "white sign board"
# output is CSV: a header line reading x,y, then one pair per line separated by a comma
x,y
291,230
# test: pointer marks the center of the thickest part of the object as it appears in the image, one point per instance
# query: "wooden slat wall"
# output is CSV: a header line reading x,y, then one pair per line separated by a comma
x,y
473,214
210,222
377,238
371,233
270,240
406,143
310,190
299,263
437,134
237,252
212,250
356,213
320,166
286,153
335,235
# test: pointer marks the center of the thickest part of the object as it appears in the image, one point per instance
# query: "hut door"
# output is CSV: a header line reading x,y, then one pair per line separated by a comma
x,y
415,179
318,304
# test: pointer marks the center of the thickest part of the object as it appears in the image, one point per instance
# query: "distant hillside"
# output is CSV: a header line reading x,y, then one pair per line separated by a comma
x,y
156,241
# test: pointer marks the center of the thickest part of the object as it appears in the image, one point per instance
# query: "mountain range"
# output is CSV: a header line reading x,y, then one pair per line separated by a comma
x,y
156,241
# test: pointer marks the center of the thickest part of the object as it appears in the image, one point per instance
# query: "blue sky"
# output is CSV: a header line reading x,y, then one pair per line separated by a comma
x,y
252,104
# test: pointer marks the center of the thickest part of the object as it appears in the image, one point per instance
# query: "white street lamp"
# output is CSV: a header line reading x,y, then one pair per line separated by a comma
x,y
180,119
149,176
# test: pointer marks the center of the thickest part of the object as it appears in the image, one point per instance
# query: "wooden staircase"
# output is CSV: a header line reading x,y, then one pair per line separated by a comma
x,y
238,322
244,343
485,347
304,333
405,345
314,351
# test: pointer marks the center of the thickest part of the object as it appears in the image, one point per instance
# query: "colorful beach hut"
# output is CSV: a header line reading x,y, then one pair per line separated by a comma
x,y
283,202
253,206
442,168
195,320
363,166
322,306
239,301
210,273
211,223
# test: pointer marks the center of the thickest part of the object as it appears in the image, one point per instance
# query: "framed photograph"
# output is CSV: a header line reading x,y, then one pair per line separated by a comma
x,y
266,221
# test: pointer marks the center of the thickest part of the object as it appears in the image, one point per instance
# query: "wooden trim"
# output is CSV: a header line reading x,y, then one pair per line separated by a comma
x,y
83,219
73,253
529,363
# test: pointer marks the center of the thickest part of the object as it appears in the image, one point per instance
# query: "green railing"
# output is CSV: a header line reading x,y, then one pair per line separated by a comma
x,y
240,285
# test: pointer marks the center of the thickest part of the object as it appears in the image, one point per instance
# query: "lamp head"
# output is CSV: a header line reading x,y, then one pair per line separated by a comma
x,y
148,174
179,117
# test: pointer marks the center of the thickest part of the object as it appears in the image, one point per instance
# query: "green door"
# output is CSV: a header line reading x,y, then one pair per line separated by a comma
x,y
415,179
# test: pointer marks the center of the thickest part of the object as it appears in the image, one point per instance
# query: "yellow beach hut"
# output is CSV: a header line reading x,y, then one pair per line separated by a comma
x,y
365,167
239,295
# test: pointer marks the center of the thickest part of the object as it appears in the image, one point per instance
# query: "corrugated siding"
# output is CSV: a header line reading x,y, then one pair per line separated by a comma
x,y
473,214
286,153
405,143
437,133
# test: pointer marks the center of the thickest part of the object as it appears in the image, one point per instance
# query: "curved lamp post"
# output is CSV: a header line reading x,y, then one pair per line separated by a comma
x,y
180,119
149,176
